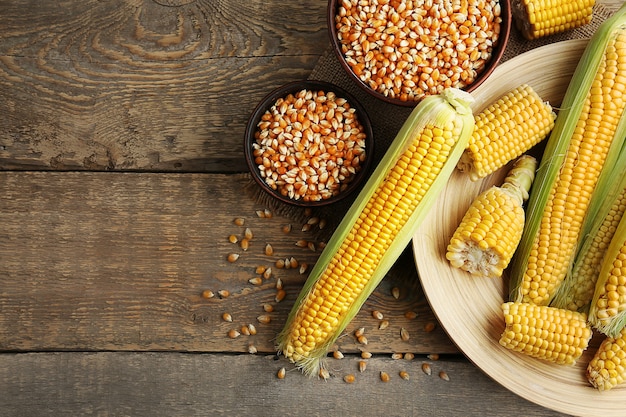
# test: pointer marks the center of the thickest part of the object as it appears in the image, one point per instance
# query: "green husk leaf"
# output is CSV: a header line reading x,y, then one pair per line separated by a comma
x,y
558,142
609,188
452,103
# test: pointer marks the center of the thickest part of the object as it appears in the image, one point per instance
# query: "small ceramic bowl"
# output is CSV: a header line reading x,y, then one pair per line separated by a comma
x,y
309,143
388,65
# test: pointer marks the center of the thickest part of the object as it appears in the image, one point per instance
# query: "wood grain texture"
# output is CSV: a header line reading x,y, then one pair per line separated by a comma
x,y
144,85
118,261
171,384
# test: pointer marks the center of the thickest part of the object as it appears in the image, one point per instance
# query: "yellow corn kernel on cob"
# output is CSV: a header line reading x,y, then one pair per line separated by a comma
x,y
485,240
576,291
538,18
505,130
607,312
587,127
378,226
543,332
607,367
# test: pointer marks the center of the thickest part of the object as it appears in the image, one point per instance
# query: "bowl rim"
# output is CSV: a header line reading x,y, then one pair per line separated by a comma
x,y
292,87
492,63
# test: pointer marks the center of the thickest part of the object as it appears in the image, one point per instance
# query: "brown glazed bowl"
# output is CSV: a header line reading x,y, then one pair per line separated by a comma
x,y
408,49
303,153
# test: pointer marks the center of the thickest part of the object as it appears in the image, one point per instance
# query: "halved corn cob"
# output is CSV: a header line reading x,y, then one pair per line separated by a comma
x,y
578,148
606,209
378,226
485,240
538,18
607,312
607,368
548,333
505,130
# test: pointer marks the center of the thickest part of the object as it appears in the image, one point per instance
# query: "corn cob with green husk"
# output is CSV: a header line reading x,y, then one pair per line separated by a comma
x,y
505,130
607,368
606,209
607,312
378,226
538,18
485,240
586,138
552,334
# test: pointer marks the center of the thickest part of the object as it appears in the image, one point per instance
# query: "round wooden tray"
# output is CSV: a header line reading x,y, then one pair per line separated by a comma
x,y
469,308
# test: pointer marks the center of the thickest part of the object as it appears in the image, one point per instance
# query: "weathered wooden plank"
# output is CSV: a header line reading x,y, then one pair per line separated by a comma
x,y
118,261
174,384
139,85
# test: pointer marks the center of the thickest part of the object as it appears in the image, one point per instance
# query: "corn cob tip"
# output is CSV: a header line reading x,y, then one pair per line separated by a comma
x,y
459,99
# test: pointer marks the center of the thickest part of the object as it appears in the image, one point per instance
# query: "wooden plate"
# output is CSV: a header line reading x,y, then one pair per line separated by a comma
x,y
469,308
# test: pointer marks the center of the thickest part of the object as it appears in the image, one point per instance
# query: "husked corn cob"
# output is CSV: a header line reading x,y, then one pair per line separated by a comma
x,y
538,18
485,240
378,226
543,332
576,291
607,368
607,312
505,130
586,129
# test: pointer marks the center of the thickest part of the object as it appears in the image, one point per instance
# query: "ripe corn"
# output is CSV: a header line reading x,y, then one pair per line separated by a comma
x,y
576,291
607,368
579,147
505,130
538,18
607,312
543,332
485,240
378,226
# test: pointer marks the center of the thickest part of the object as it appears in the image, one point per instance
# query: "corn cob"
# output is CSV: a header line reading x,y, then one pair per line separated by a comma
x,y
378,226
606,209
543,332
578,148
607,312
505,130
607,368
538,18
485,240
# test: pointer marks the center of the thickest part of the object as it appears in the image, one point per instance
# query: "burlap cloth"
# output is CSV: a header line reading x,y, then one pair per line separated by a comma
x,y
388,118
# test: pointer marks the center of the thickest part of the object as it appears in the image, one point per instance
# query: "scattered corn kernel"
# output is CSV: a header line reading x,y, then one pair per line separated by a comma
x,y
426,368
349,379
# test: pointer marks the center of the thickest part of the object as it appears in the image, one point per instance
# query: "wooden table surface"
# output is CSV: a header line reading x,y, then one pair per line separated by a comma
x,y
121,172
